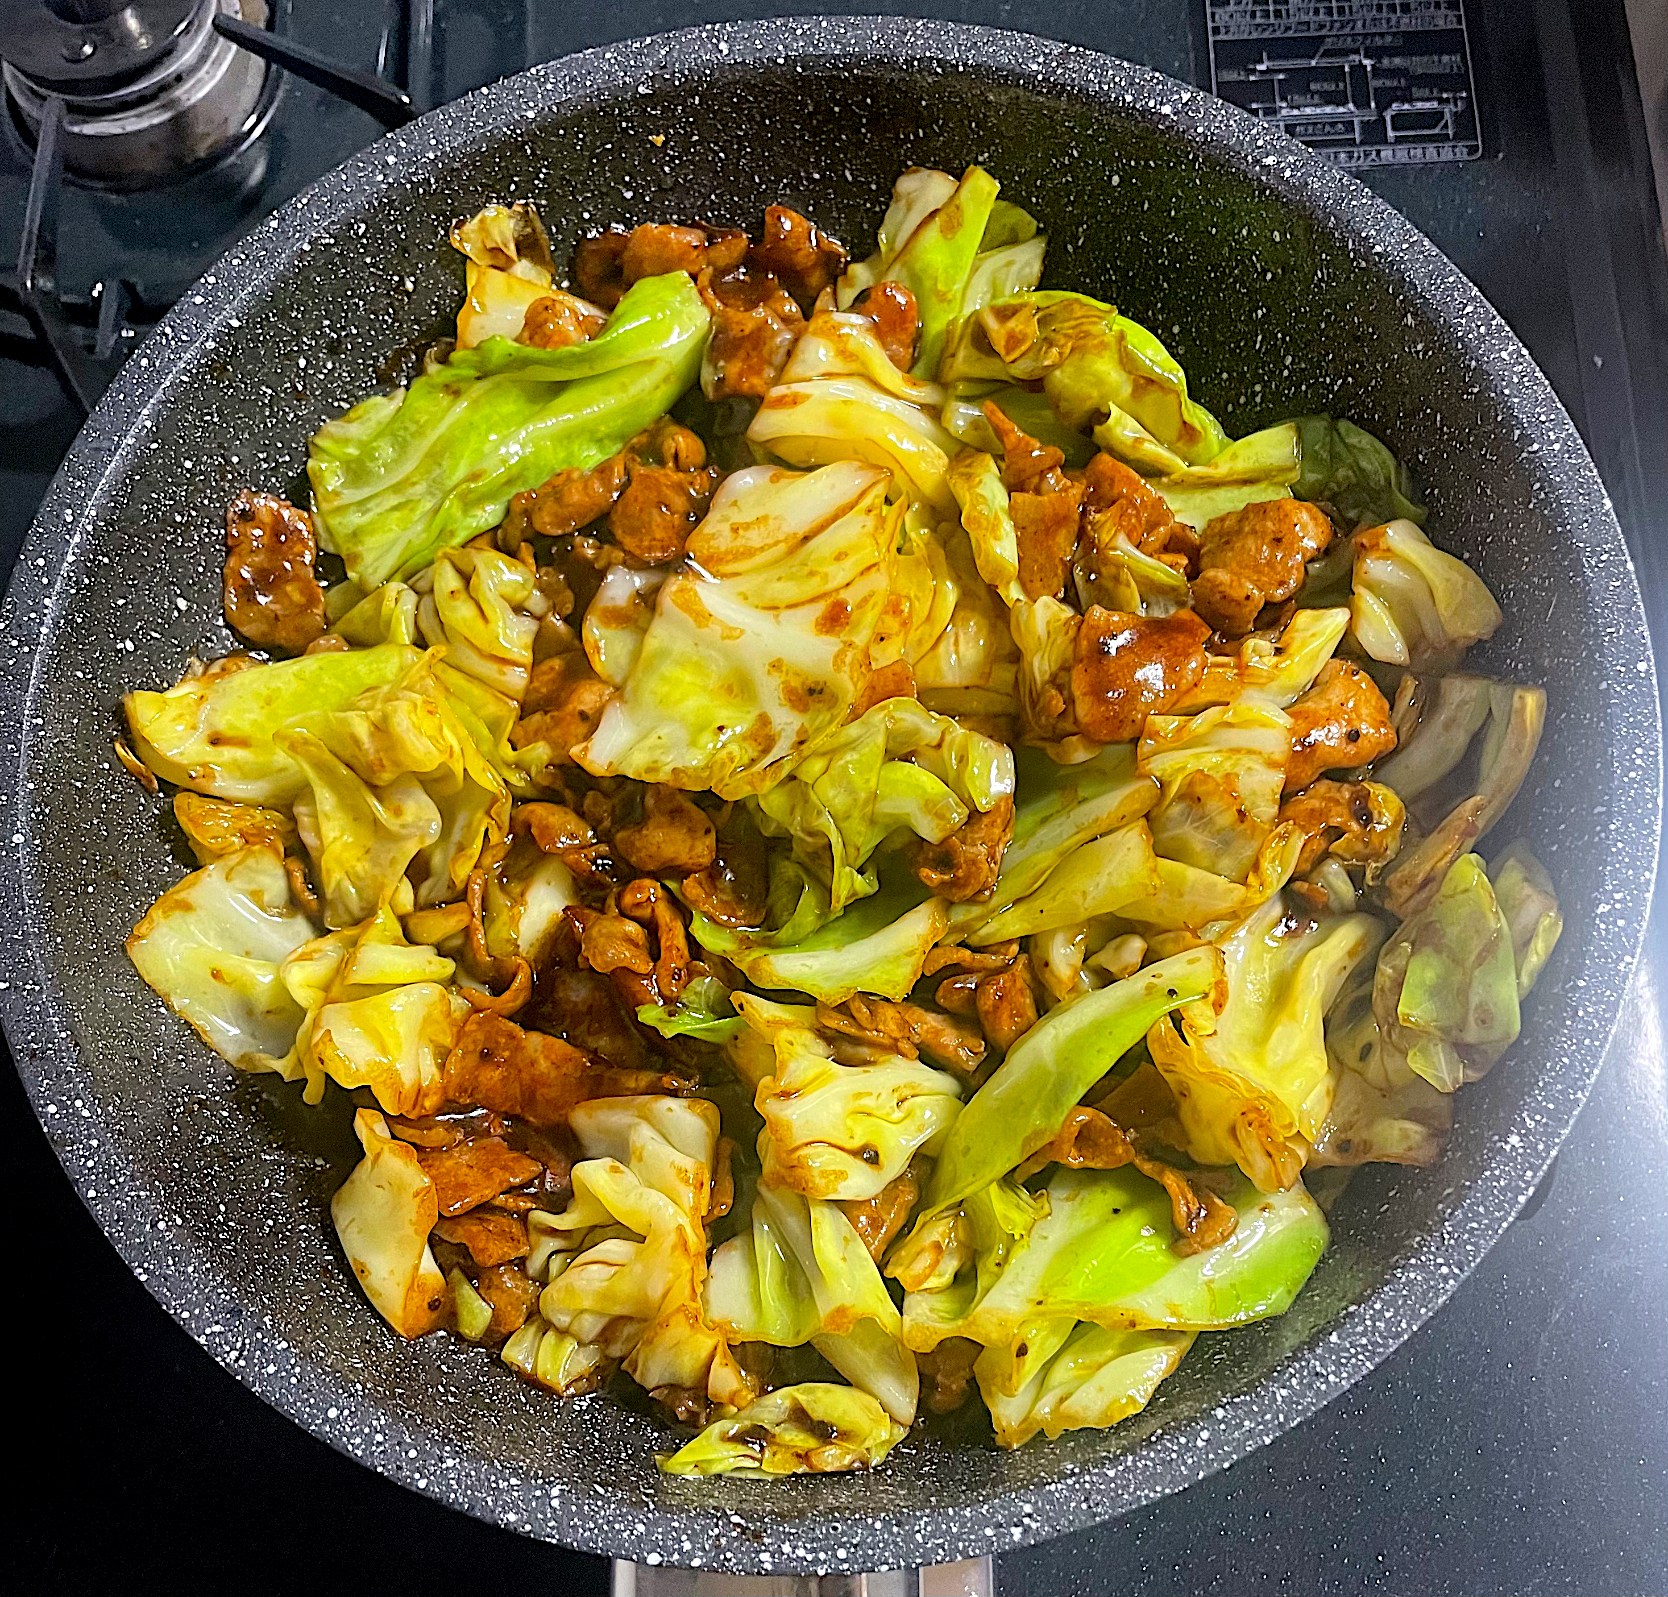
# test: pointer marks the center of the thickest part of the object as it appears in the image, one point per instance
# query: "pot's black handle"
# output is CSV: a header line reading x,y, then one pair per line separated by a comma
x,y
973,1577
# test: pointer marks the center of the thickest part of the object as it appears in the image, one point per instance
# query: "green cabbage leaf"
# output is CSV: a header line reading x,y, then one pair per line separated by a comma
x,y
840,1131
971,666
799,1274
1352,475
1382,1113
1251,1077
213,947
214,731
363,620
759,642
814,1428
403,475
382,1014
1446,991
1525,894
1514,716
626,1261
1268,672
383,1214
400,800
1103,876
1057,808
954,245
877,945
1102,373
521,907
976,483
553,1359
1026,1099
897,768
1414,604
477,603
1220,775
1101,1253
1098,1377
1262,465
840,398
1028,409
703,1010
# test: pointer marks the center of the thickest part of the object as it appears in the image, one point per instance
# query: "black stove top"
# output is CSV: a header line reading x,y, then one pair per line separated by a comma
x,y
1519,1443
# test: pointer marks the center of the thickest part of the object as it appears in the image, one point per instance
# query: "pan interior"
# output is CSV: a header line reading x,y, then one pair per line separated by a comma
x,y
1277,298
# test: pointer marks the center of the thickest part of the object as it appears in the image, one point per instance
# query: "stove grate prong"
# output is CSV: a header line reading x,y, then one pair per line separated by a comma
x,y
392,107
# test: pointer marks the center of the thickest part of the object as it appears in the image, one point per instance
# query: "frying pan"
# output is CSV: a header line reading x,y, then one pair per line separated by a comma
x,y
1281,285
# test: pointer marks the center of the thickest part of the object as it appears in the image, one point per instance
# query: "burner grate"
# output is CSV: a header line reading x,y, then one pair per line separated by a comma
x,y
150,90
51,81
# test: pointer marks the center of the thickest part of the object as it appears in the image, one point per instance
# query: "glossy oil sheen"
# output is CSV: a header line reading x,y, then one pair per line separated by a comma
x,y
1281,285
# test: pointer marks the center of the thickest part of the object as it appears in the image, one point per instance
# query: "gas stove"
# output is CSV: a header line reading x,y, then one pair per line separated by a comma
x,y
1516,1443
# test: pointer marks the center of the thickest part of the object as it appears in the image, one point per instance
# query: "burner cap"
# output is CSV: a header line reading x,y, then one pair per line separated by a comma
x,y
158,93
79,47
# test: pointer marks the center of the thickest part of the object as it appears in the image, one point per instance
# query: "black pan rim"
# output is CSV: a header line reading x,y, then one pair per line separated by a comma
x,y
36,1017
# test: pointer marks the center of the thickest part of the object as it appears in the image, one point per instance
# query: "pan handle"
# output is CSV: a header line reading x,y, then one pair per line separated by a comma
x,y
972,1577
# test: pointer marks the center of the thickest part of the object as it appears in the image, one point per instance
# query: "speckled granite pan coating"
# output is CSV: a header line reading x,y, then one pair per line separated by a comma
x,y
1283,287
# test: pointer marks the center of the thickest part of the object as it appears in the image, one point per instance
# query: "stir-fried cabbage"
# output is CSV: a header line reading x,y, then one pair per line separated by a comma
x,y
1188,900
1260,466
897,767
1104,876
1350,473
976,482
509,271
214,731
812,1428
1101,371
1382,1113
384,1212
1446,993
1045,632
400,799
954,246
1416,604
877,945
1028,409
1057,809
1515,716
218,827
720,885
562,1364
1100,1252
213,947
477,606
522,903
703,1009
1271,672
627,1259
970,666
617,620
1098,1377
383,1015
1250,1075
1025,1100
840,398
402,476
1523,890
799,1273
758,645
833,1130
1220,774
